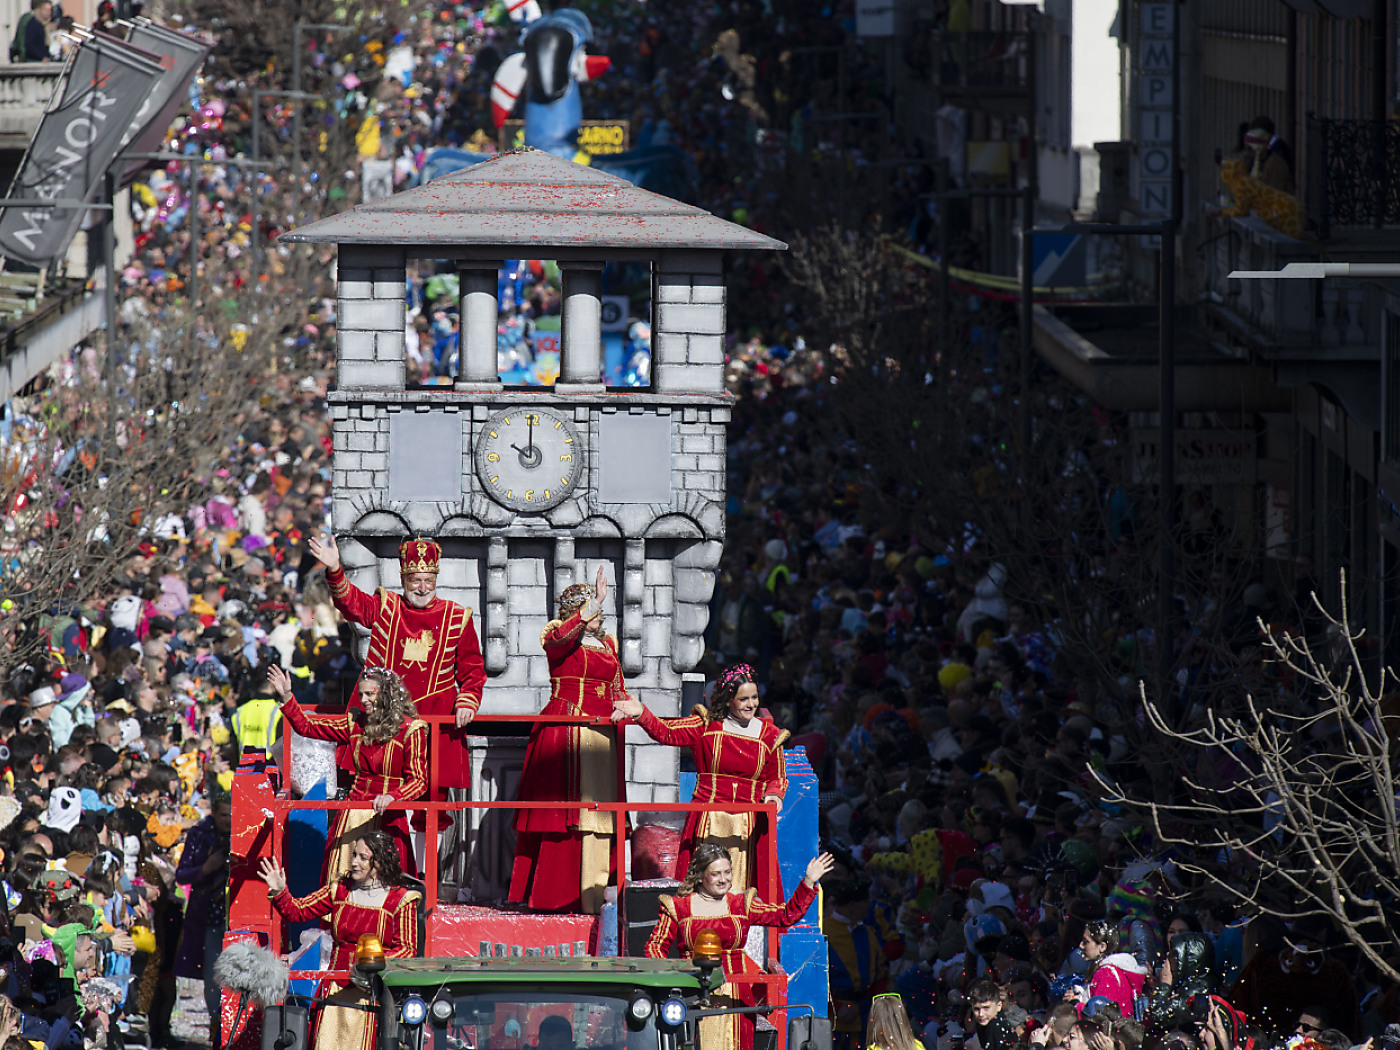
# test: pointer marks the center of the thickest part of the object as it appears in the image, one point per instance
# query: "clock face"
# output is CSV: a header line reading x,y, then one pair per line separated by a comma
x,y
528,459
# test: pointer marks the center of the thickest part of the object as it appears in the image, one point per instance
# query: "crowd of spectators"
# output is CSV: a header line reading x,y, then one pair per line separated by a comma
x,y
978,875
960,747
120,734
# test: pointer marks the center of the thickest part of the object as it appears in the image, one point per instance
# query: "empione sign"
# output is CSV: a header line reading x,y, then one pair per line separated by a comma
x,y
1156,84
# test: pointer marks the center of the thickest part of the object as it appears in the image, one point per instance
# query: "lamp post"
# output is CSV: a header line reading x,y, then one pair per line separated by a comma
x,y
258,95
1026,194
297,30
194,164
1317,271
1166,422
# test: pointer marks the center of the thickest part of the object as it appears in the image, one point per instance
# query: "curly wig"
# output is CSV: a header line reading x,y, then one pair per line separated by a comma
x,y
705,854
727,685
384,856
391,709
573,598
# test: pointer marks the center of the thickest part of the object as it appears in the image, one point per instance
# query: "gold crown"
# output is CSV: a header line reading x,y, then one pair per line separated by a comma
x,y
419,555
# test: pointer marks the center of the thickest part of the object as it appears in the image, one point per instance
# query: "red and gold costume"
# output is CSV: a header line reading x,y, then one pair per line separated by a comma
x,y
564,857
397,767
731,767
394,922
676,925
434,650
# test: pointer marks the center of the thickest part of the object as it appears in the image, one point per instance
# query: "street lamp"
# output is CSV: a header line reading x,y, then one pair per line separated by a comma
x,y
194,163
1316,271
258,95
297,30
1165,229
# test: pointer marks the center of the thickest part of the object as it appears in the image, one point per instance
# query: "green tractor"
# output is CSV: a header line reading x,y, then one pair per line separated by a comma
x,y
551,1004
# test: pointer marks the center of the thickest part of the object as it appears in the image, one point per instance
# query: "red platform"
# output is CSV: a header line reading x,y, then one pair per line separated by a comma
x,y
457,930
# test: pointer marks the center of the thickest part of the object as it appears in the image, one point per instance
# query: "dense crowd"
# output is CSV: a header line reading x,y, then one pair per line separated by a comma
x,y
977,875
961,750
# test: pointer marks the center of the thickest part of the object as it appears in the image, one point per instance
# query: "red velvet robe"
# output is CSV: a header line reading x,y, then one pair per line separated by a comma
x,y
556,849
398,767
434,650
395,922
732,768
676,925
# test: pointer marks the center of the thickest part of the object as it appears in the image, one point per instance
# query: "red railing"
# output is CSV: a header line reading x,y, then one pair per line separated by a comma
x,y
282,804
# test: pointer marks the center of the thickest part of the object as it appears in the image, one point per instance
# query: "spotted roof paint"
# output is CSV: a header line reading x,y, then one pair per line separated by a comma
x,y
531,198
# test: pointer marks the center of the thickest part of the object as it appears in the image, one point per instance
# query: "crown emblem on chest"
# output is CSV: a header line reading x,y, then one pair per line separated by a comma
x,y
416,650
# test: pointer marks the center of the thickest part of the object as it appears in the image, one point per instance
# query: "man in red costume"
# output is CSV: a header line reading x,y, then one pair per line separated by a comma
x,y
427,641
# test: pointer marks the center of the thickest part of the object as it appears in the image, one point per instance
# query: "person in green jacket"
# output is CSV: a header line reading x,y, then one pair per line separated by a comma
x,y
1188,969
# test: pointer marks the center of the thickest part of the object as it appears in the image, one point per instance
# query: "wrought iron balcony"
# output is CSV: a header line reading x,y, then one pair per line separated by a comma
x,y
1352,177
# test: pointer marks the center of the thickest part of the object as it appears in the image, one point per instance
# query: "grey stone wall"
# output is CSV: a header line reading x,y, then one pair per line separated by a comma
x,y
370,317
649,507
688,297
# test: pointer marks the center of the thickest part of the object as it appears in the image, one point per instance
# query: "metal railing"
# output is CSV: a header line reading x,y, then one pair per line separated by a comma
x,y
1353,174
281,806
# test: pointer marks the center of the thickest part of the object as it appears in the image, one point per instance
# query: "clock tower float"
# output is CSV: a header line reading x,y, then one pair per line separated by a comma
x,y
531,490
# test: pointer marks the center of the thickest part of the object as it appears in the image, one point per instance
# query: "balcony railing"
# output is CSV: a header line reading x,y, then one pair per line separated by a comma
x,y
986,62
25,89
1353,174
1282,314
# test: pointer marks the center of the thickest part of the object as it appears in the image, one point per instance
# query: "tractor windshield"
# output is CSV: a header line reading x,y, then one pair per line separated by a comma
x,y
542,1019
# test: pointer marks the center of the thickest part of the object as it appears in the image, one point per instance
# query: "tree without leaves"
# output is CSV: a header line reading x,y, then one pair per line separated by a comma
x,y
1291,807
85,490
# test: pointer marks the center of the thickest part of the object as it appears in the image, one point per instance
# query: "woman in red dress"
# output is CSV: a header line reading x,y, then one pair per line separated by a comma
x,y
368,900
707,903
739,758
564,857
388,748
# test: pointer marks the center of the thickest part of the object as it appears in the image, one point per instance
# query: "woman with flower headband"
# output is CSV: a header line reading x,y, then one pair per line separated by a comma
x,y
370,898
387,744
710,900
564,857
739,758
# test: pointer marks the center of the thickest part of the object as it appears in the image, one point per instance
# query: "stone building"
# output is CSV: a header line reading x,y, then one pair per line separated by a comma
x,y
640,484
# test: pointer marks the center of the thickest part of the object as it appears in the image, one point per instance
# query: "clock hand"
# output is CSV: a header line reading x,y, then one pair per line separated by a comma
x,y
531,420
529,457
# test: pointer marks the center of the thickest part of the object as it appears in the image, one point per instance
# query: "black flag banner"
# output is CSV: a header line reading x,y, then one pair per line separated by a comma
x,y
180,58
106,84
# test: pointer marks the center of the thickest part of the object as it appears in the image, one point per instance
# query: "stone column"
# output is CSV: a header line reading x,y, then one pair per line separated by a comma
x,y
477,310
581,352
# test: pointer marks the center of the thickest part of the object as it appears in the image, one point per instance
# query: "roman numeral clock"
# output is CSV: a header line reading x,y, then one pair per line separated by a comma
x,y
530,490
